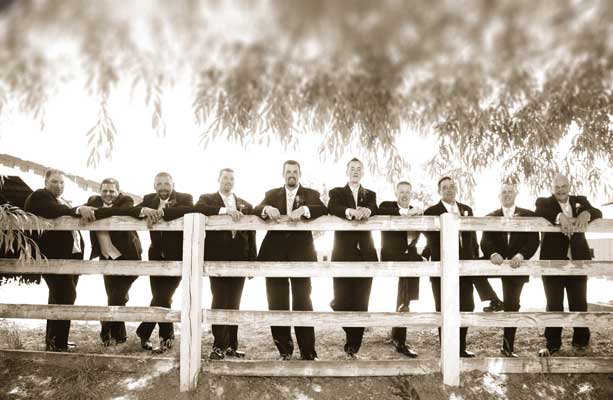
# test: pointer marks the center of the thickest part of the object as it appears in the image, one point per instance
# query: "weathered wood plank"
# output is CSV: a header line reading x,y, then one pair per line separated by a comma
x,y
538,319
325,223
524,224
322,319
89,313
538,268
86,267
450,300
321,269
115,363
322,368
191,310
107,224
543,365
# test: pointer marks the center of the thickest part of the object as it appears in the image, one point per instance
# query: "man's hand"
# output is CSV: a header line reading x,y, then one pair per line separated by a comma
x,y
351,213
516,260
363,213
581,221
87,214
152,215
567,225
234,214
496,259
296,214
272,212
414,211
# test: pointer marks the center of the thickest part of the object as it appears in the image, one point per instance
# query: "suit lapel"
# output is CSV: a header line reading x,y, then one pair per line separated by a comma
x,y
155,201
349,196
573,200
282,201
556,205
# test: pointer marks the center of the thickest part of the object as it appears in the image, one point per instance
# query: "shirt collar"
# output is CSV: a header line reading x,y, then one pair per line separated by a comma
x,y
450,207
228,197
508,211
356,188
293,191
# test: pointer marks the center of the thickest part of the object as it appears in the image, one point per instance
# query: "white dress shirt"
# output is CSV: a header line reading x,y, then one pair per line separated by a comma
x,y
76,239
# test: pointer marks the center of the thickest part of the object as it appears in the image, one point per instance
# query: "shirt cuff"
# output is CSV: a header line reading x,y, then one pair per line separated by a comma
x,y
403,211
222,211
142,213
264,212
347,214
558,218
307,212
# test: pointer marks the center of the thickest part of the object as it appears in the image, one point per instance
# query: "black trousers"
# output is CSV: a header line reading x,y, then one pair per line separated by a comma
x,y
576,291
511,292
352,294
277,291
117,287
408,289
162,290
227,292
484,289
467,303
62,290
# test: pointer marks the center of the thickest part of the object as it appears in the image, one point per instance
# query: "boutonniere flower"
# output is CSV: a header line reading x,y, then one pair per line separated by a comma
x,y
172,202
361,195
240,205
298,200
577,206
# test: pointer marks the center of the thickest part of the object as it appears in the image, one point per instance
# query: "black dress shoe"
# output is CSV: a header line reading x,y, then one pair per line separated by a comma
x,y
495,305
121,341
285,357
507,353
216,354
547,352
467,354
235,353
145,344
165,345
309,357
406,350
107,342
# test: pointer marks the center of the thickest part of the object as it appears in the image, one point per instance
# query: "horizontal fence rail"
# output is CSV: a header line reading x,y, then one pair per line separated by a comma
x,y
192,268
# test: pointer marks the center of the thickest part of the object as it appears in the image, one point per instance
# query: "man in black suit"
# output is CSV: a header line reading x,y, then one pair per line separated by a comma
x,y
297,202
165,204
226,246
48,203
515,247
114,245
353,202
469,250
572,214
400,246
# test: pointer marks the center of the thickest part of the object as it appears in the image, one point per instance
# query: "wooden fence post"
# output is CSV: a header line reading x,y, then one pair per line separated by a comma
x,y
450,300
191,309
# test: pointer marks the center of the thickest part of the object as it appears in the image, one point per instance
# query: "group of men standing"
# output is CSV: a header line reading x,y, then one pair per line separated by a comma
x,y
352,202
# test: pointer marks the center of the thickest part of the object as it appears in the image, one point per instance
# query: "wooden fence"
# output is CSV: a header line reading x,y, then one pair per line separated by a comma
x,y
192,316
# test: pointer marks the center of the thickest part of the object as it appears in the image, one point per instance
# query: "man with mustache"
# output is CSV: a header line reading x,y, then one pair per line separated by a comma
x,y
353,202
165,204
400,246
226,246
515,247
572,213
298,203
114,245
48,203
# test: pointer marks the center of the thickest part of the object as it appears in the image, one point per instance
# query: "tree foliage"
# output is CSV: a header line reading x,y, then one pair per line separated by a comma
x,y
521,84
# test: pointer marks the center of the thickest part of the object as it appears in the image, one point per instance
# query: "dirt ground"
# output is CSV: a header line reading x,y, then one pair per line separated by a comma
x,y
25,380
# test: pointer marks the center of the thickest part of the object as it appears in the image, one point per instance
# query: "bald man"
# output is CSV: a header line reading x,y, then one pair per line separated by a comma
x,y
573,214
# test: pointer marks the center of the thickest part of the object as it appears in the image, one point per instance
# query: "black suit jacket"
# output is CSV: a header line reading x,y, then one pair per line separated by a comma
x,y
168,244
394,244
127,242
277,245
53,244
555,244
220,245
524,243
469,248
352,245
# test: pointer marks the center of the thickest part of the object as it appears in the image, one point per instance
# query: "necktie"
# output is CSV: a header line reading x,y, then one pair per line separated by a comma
x,y
229,207
290,202
76,240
